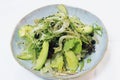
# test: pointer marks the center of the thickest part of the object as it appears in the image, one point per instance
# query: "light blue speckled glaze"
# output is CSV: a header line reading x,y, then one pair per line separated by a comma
x,y
85,16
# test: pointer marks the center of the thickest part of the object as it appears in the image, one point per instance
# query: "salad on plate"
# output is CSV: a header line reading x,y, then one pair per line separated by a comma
x,y
58,43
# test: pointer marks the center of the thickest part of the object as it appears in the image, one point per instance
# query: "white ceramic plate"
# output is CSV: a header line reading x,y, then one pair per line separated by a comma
x,y
84,15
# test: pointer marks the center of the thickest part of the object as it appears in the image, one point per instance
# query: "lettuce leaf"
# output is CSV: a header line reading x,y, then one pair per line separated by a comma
x,y
73,44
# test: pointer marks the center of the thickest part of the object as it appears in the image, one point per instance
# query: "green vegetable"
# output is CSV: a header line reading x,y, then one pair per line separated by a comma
x,y
47,67
62,9
69,44
76,22
98,29
43,25
73,44
72,61
57,63
25,56
43,56
86,30
88,60
80,27
25,30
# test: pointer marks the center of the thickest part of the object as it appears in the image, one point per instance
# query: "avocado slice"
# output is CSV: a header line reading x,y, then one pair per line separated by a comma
x,y
42,56
25,56
72,61
86,30
57,63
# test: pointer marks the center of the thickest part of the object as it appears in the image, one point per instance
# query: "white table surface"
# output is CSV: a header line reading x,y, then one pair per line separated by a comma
x,y
11,11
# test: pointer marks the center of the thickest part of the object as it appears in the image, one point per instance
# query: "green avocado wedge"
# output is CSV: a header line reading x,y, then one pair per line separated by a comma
x,y
42,56
72,61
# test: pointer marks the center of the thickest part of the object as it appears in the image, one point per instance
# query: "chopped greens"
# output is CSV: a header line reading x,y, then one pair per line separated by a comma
x,y
58,43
